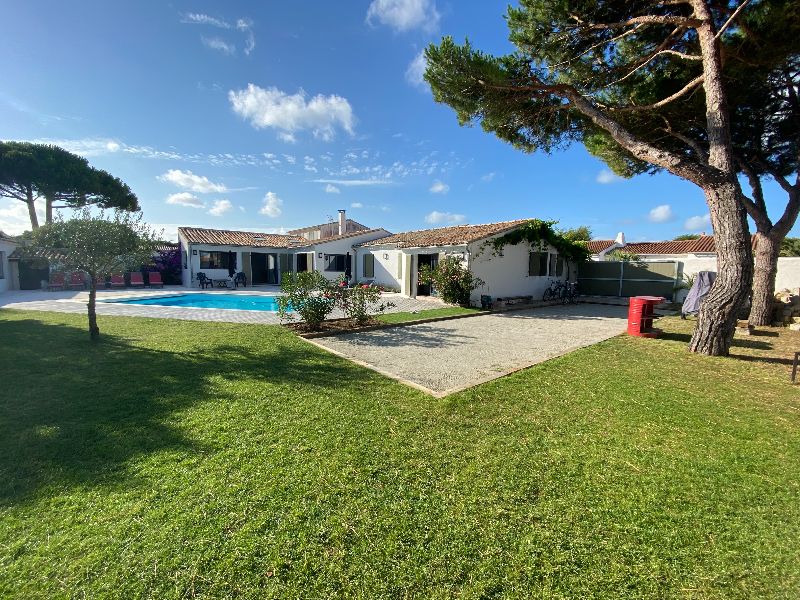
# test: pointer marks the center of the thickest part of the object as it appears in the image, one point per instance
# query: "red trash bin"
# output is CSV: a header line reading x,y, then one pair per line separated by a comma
x,y
641,314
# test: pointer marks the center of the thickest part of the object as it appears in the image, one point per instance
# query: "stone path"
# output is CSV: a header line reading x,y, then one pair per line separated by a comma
x,y
446,356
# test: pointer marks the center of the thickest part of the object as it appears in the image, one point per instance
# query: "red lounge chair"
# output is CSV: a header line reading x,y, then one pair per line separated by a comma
x,y
155,279
100,282
56,282
76,281
137,279
117,281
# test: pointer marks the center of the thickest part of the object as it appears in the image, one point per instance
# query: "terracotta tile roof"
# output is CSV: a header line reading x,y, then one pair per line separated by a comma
x,y
445,236
224,237
349,234
351,224
597,246
6,238
27,252
704,244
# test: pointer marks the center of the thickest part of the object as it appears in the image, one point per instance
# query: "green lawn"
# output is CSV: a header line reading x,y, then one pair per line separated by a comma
x,y
179,459
450,311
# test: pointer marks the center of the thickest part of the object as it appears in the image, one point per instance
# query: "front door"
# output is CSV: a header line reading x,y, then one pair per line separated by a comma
x,y
273,273
264,267
426,260
32,272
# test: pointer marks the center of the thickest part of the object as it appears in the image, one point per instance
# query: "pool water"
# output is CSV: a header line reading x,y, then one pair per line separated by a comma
x,y
224,301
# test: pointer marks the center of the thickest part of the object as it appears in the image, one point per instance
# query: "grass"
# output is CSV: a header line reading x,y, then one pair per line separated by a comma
x,y
402,317
180,459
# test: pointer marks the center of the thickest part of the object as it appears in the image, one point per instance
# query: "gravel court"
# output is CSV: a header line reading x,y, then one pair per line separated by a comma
x,y
447,356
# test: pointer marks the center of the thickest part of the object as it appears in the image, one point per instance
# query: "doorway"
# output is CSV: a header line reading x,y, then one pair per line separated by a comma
x,y
32,272
426,260
264,268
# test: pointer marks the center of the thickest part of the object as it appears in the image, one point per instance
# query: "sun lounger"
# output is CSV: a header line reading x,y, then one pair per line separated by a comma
x,y
56,282
76,281
154,278
117,281
137,279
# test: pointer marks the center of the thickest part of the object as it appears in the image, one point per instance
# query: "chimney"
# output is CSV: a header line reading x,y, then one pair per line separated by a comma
x,y
342,222
620,238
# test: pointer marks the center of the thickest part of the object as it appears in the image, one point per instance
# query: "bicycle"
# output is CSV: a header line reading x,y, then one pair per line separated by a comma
x,y
570,293
554,292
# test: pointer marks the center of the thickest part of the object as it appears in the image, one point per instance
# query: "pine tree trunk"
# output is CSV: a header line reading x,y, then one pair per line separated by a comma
x,y
48,210
94,330
766,267
716,322
32,208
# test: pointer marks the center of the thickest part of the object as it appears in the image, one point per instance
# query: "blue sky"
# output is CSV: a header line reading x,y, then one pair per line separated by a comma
x,y
274,115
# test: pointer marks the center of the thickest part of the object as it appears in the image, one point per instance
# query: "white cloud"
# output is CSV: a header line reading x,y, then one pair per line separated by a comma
x,y
189,181
606,176
416,70
698,223
203,19
332,189
216,43
290,113
444,217
488,177
185,199
403,15
439,188
272,205
290,159
246,26
354,182
356,205
661,214
220,207
14,218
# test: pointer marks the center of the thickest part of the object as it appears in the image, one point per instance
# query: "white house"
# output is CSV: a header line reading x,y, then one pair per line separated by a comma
x,y
7,246
692,256
518,270
262,257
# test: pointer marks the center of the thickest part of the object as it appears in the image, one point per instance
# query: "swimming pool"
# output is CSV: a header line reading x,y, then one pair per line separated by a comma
x,y
224,301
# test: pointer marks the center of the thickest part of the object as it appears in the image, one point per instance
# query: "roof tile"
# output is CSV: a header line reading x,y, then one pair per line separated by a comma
x,y
445,236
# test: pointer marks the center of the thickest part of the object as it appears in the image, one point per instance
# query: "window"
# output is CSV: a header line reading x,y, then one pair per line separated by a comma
x,y
334,262
559,266
302,262
552,267
216,260
369,265
537,264
2,265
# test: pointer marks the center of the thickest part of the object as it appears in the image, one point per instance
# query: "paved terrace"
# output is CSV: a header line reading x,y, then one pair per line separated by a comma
x,y
75,302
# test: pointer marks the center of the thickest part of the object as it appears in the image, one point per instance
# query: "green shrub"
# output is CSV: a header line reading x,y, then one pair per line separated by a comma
x,y
307,294
360,302
454,283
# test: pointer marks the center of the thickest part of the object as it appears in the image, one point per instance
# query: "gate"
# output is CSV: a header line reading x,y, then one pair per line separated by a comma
x,y
624,278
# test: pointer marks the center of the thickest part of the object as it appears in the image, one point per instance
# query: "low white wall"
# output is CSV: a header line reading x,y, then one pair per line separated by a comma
x,y
6,282
788,276
507,275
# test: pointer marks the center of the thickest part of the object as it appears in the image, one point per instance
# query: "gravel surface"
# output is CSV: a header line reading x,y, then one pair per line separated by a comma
x,y
446,356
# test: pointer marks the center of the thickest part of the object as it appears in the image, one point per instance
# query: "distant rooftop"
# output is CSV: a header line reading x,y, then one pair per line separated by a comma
x,y
445,236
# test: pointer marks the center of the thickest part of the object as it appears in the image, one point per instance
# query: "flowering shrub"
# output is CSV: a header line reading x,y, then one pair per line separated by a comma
x,y
453,282
309,294
360,302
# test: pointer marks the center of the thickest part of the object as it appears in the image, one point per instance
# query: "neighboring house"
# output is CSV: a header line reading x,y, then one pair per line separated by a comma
x,y
328,230
7,246
263,257
692,256
518,270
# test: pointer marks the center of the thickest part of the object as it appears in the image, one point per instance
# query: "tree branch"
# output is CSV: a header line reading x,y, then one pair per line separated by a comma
x,y
682,92
649,20
731,18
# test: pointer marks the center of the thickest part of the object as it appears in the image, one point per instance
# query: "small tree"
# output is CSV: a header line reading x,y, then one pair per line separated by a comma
x,y
454,283
578,234
308,294
359,303
99,245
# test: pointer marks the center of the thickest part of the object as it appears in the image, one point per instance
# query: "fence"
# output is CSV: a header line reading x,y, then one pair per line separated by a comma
x,y
621,278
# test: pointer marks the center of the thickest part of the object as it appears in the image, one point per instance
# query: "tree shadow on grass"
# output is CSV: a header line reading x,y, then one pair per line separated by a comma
x,y
674,336
74,413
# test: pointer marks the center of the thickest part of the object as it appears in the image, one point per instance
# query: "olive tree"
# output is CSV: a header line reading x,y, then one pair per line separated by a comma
x,y
99,244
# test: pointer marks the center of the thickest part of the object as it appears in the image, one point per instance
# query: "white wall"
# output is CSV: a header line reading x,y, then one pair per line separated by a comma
x,y
6,282
386,265
507,275
788,276
344,246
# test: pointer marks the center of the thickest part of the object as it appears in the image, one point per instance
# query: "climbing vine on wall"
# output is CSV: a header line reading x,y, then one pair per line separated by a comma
x,y
535,232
